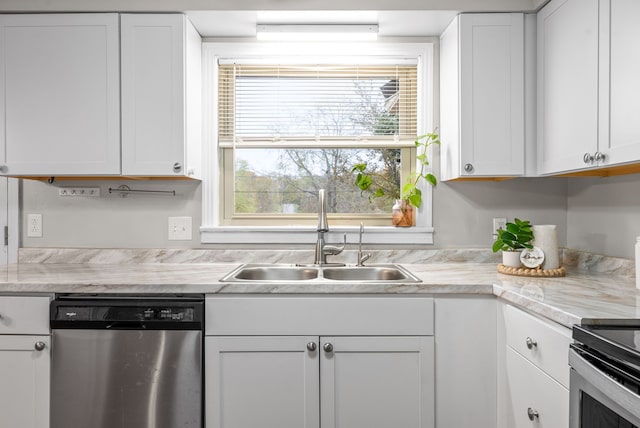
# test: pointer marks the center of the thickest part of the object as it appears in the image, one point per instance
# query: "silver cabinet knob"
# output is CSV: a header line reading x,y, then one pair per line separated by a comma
x,y
4,169
39,346
532,414
599,157
531,343
327,347
588,158
177,167
468,167
311,346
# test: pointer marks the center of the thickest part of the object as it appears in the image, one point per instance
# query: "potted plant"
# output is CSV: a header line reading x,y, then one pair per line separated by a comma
x,y
516,237
408,196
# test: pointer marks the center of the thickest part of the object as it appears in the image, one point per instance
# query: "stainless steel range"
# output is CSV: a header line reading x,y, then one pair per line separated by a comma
x,y
126,362
605,375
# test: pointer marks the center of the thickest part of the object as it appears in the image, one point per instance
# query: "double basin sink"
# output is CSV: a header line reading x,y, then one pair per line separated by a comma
x,y
275,273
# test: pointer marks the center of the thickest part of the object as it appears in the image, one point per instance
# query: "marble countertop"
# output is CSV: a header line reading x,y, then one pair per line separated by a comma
x,y
568,300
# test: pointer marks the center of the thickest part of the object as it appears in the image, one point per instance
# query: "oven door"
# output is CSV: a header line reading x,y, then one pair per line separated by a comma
x,y
597,398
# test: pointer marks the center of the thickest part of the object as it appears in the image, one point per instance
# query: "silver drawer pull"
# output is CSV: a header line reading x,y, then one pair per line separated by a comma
x,y
311,346
533,414
531,343
39,346
327,347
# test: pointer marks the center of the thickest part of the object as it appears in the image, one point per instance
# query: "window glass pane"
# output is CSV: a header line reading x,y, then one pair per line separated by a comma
x,y
286,181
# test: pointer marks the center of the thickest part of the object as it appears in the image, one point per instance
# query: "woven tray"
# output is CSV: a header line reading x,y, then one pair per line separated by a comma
x,y
539,273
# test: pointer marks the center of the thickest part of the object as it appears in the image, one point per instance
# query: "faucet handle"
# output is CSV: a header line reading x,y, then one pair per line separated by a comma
x,y
335,249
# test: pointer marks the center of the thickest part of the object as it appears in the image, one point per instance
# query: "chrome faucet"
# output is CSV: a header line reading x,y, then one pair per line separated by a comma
x,y
323,249
361,257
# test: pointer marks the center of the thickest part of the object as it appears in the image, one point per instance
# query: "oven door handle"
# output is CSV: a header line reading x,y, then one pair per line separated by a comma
x,y
626,398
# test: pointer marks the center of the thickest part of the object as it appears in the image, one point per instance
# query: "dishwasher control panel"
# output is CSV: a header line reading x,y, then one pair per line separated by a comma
x,y
126,313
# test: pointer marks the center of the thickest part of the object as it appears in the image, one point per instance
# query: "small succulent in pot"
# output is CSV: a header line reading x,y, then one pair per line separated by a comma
x,y
516,237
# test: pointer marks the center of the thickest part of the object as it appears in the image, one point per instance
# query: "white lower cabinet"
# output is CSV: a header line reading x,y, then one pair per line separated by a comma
x,y
315,380
465,340
535,398
533,374
298,381
24,362
376,382
262,381
24,390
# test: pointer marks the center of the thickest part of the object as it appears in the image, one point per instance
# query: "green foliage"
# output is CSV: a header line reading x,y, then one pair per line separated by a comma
x,y
516,236
410,192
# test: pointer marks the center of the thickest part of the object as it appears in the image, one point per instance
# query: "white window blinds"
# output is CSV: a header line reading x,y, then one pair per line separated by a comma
x,y
319,105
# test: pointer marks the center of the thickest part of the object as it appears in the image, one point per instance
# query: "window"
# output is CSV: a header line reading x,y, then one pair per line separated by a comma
x,y
289,130
287,126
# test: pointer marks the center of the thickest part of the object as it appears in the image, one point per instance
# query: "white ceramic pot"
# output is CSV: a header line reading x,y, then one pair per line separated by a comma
x,y
545,238
511,258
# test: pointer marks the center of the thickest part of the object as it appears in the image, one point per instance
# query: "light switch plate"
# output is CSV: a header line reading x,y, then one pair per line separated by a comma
x,y
180,229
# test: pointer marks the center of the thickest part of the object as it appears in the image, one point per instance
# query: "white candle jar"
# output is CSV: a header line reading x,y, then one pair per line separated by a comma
x,y
546,238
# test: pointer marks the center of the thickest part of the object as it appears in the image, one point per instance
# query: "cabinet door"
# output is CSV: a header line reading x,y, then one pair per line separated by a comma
x,y
60,87
491,94
377,382
619,79
567,84
266,382
155,51
465,361
24,385
530,388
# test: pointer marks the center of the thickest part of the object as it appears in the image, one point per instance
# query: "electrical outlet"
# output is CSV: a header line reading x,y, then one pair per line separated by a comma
x,y
180,229
498,223
79,191
34,225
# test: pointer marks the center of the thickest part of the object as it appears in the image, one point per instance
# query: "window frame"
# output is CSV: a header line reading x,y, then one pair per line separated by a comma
x,y
213,229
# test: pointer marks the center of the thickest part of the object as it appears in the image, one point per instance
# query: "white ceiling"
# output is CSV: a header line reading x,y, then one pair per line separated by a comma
x,y
415,23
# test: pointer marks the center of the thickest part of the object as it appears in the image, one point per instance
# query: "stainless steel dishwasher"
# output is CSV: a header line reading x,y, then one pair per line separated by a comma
x,y
126,361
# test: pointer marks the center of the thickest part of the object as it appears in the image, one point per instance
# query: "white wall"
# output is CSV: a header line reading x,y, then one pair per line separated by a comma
x,y
603,215
110,221
462,212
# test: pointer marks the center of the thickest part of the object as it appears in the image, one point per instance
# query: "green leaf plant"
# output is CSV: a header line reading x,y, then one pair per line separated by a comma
x,y
410,192
517,236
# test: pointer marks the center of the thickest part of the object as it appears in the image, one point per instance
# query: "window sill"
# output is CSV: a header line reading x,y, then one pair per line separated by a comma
x,y
291,235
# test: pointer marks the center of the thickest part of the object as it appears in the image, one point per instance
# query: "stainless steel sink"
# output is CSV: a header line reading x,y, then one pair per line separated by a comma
x,y
273,273
367,273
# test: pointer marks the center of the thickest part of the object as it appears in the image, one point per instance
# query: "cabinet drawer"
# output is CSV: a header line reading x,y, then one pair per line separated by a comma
x,y
318,315
24,315
530,388
545,345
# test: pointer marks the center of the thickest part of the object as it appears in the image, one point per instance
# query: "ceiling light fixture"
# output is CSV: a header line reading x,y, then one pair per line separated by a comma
x,y
320,32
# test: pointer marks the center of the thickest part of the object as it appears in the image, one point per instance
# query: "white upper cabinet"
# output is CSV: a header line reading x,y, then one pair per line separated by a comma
x,y
482,96
567,84
588,66
60,87
619,81
161,124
